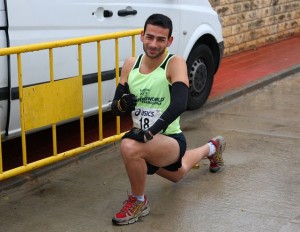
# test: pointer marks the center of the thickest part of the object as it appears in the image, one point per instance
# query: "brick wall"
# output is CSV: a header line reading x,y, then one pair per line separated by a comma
x,y
251,24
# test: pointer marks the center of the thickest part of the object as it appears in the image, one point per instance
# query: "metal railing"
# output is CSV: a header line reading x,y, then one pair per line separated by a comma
x,y
34,113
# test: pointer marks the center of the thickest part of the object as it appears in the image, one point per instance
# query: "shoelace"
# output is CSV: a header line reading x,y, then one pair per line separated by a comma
x,y
128,205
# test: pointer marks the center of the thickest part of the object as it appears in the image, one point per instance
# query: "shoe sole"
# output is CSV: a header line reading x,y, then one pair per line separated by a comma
x,y
217,170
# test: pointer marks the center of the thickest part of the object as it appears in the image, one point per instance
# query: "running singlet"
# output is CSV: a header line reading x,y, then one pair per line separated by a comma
x,y
153,93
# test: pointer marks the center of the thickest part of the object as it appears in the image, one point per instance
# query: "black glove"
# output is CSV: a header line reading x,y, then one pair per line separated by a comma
x,y
139,135
123,102
127,103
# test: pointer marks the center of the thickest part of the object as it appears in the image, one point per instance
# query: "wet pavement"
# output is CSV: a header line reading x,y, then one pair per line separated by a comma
x,y
259,189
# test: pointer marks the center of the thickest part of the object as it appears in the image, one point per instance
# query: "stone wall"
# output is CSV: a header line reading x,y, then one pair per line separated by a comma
x,y
251,24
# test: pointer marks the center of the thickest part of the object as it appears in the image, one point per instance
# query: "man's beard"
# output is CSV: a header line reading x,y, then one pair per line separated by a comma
x,y
153,56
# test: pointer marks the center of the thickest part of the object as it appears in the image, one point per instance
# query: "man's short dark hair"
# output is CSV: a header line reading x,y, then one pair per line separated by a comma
x,y
161,21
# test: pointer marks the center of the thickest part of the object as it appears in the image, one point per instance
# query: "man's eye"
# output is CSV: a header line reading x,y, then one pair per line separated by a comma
x,y
148,36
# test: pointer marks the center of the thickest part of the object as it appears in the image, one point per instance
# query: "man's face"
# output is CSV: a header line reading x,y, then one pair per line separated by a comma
x,y
155,41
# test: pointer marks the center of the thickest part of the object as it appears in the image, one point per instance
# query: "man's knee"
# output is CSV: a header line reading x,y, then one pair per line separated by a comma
x,y
128,148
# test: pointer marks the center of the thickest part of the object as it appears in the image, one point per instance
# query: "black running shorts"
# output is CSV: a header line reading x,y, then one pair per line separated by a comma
x,y
151,169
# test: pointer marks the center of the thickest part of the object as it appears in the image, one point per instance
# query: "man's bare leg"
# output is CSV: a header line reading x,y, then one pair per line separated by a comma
x,y
160,151
213,150
189,160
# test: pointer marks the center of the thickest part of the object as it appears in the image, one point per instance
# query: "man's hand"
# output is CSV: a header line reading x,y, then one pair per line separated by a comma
x,y
124,101
127,103
139,135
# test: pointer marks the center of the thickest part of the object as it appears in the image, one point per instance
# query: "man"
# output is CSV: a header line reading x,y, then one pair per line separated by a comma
x,y
154,88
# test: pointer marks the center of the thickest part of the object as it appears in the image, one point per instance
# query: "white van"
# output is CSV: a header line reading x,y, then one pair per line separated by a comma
x,y
197,37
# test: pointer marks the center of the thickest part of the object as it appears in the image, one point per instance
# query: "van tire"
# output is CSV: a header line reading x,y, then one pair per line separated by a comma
x,y
200,65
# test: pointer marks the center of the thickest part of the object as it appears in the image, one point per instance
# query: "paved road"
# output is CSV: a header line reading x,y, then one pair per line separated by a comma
x,y
258,191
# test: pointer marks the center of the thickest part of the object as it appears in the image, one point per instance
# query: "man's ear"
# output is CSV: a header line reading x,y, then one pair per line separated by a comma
x,y
170,40
142,36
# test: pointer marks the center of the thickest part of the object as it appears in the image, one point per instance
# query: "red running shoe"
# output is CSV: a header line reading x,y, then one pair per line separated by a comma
x,y
131,211
216,160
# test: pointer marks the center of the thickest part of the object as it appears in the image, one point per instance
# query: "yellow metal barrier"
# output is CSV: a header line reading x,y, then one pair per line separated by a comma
x,y
37,109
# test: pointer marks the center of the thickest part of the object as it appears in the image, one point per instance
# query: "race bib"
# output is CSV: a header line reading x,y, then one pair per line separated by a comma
x,y
144,118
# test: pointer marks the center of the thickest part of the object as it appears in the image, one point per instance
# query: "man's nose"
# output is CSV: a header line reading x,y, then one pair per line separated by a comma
x,y
153,43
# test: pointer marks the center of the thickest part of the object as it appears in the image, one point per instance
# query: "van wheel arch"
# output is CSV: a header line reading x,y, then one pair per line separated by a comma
x,y
200,65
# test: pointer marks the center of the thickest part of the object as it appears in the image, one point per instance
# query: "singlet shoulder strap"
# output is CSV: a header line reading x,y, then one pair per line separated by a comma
x,y
137,63
164,64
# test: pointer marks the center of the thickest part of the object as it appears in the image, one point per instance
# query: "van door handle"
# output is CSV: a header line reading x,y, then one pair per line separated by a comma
x,y
107,13
125,12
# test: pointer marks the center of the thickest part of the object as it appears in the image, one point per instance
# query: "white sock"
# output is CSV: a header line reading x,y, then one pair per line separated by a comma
x,y
212,149
140,198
